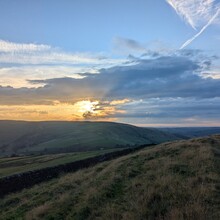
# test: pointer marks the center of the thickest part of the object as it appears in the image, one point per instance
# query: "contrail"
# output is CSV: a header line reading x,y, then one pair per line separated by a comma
x,y
179,8
201,31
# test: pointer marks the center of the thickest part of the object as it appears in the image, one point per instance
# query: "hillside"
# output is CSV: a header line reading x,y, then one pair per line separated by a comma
x,y
192,132
21,164
179,180
19,137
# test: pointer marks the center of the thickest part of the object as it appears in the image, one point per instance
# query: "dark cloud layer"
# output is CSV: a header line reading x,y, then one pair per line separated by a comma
x,y
161,77
170,87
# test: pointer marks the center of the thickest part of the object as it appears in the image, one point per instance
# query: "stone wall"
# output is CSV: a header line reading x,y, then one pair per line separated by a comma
x,y
20,181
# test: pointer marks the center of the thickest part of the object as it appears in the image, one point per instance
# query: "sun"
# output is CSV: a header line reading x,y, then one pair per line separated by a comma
x,y
86,106
93,110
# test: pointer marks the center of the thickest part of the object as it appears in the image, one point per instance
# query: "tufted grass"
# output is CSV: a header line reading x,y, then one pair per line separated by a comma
x,y
179,180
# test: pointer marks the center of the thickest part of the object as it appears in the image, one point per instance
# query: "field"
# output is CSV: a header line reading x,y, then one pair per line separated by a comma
x,y
179,180
13,165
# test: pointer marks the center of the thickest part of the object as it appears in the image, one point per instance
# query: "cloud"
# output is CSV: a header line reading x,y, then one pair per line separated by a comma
x,y
199,14
160,89
39,54
127,46
173,112
20,62
119,102
17,76
54,57
6,46
212,74
175,75
196,13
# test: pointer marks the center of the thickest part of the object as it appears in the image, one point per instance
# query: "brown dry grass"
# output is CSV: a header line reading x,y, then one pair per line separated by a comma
x,y
177,180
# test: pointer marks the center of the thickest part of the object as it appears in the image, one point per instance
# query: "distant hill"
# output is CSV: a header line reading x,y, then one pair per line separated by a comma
x,y
178,180
20,137
192,132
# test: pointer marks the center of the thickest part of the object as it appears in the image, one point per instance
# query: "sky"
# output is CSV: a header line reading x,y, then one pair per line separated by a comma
x,y
143,62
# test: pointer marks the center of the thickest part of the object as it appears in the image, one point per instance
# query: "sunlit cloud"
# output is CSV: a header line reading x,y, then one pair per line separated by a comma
x,y
18,76
158,88
24,62
212,74
38,112
99,109
161,76
120,102
81,110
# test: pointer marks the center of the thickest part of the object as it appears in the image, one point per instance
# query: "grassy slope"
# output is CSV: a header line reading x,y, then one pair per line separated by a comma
x,y
12,165
56,137
179,180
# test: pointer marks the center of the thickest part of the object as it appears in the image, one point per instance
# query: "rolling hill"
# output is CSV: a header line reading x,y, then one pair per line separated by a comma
x,y
192,132
20,137
178,180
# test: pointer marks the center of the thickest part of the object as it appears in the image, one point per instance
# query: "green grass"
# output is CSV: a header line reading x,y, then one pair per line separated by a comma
x,y
62,137
179,180
13,165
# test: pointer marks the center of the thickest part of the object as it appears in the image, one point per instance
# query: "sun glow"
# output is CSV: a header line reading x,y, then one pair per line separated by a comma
x,y
81,110
87,109
86,106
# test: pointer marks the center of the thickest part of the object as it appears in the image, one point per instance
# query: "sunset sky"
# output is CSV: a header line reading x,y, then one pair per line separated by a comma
x,y
144,62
